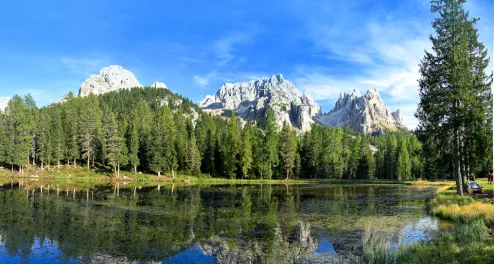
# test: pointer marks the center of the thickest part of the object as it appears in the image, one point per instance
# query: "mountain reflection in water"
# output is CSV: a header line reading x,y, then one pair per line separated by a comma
x,y
63,223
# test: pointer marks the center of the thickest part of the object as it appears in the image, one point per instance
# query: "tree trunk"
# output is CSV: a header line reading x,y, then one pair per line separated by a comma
x,y
287,175
173,174
159,173
135,169
75,165
41,164
93,161
88,159
58,164
118,170
456,167
466,180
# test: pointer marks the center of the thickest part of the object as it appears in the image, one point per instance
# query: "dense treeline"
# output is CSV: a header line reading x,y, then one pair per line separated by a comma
x,y
154,130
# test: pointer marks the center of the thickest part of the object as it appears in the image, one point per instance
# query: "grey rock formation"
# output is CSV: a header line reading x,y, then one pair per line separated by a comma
x,y
4,101
111,78
398,118
157,84
366,113
252,100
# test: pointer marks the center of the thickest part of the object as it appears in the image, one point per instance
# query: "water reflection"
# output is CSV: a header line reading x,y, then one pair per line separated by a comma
x,y
64,222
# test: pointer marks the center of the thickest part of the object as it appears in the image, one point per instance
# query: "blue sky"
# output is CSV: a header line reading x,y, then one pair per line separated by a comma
x,y
48,48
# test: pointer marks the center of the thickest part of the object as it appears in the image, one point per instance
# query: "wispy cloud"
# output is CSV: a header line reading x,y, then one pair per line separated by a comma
x,y
203,80
224,48
85,66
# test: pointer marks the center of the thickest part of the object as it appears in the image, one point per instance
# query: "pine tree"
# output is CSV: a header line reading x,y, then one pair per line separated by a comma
x,y
403,165
454,88
90,127
355,156
133,139
231,147
111,139
44,143
193,159
270,143
32,116
246,158
162,149
57,134
18,132
288,149
70,123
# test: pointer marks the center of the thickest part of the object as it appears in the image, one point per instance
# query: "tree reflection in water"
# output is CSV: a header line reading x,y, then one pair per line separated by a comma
x,y
221,223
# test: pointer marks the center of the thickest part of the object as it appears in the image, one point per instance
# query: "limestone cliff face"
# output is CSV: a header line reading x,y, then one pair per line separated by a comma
x,y
252,99
111,78
367,114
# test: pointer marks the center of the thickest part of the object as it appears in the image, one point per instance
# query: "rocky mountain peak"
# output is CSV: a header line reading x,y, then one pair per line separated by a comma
x,y
252,99
366,113
111,78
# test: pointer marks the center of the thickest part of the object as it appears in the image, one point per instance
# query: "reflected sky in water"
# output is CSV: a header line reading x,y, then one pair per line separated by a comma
x,y
50,223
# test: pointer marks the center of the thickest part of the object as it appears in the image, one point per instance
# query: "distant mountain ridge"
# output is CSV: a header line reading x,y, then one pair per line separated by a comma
x,y
367,114
251,100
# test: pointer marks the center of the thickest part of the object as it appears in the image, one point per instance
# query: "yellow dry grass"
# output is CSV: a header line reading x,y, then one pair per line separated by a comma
x,y
467,212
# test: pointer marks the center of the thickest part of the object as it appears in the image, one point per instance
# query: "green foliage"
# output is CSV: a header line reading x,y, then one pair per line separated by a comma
x,y
148,131
455,109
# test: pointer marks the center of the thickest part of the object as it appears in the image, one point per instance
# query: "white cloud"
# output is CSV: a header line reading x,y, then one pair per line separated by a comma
x,y
203,80
85,66
224,47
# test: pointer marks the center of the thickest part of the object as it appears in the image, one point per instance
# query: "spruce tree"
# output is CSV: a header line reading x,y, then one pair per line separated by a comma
x,y
246,158
454,87
270,143
133,139
288,149
403,165
231,147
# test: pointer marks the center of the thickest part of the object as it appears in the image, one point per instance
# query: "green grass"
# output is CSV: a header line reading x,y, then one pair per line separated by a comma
x,y
463,243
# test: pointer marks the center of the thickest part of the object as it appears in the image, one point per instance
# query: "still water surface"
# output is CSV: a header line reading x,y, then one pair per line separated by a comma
x,y
112,223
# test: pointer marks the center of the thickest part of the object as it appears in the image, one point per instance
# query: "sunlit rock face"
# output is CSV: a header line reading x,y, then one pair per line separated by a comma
x,y
111,78
367,114
4,101
251,100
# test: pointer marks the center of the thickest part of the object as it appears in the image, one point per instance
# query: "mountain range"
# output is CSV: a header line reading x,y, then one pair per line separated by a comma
x,y
251,100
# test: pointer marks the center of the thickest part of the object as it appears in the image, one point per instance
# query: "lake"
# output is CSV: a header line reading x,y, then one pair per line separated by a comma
x,y
125,223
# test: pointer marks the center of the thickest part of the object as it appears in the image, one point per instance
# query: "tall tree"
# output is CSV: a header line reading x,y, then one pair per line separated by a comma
x,y
454,86
114,148
90,127
288,149
403,165
57,134
133,139
162,149
231,147
19,132
246,158
270,142
70,123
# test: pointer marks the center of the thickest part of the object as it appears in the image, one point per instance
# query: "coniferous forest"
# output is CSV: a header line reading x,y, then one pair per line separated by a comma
x,y
155,131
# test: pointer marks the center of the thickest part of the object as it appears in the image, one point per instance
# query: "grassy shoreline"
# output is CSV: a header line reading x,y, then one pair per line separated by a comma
x,y
104,175
468,240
